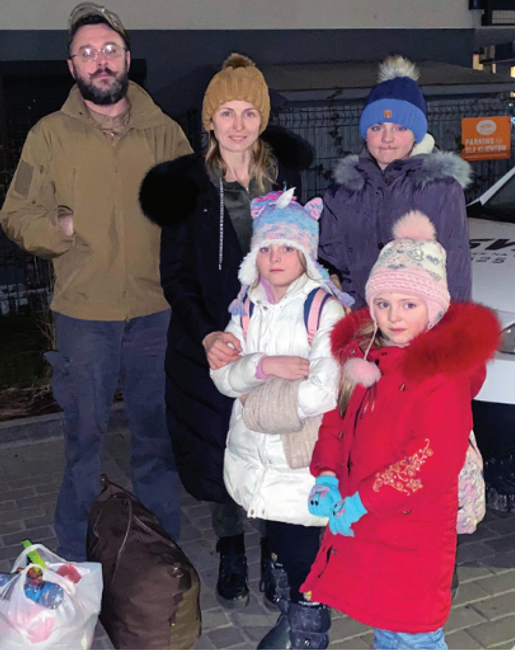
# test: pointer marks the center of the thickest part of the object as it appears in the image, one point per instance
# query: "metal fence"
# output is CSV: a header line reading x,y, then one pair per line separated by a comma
x,y
25,281
332,131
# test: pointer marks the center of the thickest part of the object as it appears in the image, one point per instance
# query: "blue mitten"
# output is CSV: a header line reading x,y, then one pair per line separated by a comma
x,y
323,496
345,513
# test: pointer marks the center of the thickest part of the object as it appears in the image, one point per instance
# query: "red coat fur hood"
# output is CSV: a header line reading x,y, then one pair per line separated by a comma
x,y
466,337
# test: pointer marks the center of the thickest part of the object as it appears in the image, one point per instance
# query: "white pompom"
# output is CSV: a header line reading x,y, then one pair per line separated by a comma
x,y
362,372
397,66
414,225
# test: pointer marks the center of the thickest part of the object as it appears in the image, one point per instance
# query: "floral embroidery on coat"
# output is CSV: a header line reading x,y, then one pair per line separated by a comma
x,y
402,475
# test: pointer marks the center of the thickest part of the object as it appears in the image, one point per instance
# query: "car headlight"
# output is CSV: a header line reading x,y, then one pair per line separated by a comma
x,y
508,340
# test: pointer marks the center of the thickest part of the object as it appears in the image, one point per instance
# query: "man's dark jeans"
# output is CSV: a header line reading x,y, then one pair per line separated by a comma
x,y
92,358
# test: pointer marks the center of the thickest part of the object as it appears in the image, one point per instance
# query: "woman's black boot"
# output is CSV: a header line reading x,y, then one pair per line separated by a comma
x,y
232,590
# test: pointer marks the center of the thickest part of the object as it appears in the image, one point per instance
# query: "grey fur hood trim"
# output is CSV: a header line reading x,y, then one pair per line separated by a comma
x,y
443,164
427,168
346,174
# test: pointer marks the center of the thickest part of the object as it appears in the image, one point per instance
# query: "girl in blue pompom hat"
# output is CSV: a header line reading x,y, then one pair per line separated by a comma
x,y
399,170
284,381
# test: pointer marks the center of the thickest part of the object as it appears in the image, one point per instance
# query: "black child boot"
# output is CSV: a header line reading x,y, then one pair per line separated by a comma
x,y
274,579
309,625
276,595
279,635
300,625
232,590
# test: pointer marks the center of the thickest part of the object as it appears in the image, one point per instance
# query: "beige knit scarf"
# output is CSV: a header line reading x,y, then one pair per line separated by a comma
x,y
272,408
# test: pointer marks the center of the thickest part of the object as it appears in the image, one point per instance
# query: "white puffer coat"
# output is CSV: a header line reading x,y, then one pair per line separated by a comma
x,y
256,472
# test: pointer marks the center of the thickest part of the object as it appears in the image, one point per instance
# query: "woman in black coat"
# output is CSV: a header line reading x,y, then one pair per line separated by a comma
x,y
202,204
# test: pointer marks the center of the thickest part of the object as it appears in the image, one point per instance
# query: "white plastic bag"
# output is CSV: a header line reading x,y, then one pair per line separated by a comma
x,y
25,625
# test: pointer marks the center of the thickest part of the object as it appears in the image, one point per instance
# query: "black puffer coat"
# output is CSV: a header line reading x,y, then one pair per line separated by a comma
x,y
180,197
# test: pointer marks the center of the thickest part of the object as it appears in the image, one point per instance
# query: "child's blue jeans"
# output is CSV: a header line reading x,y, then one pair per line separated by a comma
x,y
385,640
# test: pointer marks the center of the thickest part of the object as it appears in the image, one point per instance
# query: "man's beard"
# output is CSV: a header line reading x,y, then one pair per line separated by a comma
x,y
104,95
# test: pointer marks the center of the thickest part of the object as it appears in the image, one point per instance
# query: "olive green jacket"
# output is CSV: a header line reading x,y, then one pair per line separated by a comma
x,y
109,269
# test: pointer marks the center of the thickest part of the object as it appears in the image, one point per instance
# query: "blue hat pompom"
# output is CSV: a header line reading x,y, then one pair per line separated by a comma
x,y
397,98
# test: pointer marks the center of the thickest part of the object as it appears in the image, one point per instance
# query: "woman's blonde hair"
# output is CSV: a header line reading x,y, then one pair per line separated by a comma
x,y
363,337
263,165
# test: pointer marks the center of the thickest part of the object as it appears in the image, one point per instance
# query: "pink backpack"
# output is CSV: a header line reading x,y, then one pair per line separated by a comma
x,y
471,490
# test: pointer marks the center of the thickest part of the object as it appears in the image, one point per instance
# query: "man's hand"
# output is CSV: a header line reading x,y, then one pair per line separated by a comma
x,y
286,367
221,348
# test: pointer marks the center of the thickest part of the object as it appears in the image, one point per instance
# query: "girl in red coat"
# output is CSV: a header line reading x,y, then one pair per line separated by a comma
x,y
387,460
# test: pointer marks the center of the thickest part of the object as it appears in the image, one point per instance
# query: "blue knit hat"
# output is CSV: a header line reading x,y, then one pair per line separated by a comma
x,y
396,98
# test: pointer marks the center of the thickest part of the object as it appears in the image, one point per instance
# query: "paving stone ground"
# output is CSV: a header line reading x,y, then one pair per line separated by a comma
x,y
483,615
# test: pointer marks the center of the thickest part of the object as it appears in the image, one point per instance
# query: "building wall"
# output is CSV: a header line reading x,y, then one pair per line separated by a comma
x,y
256,14
185,41
180,63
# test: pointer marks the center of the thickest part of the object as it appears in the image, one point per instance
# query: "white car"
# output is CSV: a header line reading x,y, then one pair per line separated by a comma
x,y
492,244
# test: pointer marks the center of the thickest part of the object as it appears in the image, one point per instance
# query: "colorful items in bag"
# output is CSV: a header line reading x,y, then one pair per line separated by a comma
x,y
6,577
42,592
39,606
69,572
471,490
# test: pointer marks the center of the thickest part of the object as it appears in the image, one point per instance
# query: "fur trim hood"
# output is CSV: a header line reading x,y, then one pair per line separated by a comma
x,y
351,171
170,191
466,337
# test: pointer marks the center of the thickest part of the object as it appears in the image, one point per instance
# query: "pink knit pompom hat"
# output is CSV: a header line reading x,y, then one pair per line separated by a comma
x,y
412,263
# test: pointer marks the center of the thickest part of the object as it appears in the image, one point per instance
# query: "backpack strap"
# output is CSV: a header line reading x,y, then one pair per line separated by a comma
x,y
248,308
313,306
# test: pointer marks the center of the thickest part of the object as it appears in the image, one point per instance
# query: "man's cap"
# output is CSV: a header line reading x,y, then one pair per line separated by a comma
x,y
86,9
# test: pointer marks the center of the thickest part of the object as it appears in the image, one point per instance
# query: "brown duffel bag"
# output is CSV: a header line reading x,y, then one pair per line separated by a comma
x,y
151,589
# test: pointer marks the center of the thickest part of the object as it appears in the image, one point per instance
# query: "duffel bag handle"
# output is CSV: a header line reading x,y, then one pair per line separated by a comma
x,y
128,499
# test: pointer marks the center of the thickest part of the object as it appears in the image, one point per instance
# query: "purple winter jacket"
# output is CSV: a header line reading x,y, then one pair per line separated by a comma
x,y
361,208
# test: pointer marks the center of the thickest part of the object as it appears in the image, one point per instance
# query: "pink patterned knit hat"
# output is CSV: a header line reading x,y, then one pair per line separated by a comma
x,y
413,263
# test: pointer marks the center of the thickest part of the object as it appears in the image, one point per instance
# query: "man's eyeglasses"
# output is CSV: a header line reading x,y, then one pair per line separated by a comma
x,y
110,51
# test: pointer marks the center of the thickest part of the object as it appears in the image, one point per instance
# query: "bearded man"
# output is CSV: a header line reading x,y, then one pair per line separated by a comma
x,y
74,199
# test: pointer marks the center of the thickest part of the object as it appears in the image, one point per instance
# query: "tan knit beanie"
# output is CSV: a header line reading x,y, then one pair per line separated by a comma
x,y
239,79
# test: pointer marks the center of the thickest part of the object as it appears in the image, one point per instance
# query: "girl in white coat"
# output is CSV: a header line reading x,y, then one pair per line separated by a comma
x,y
284,380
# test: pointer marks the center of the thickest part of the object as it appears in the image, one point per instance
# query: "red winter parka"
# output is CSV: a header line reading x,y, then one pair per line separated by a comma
x,y
402,444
